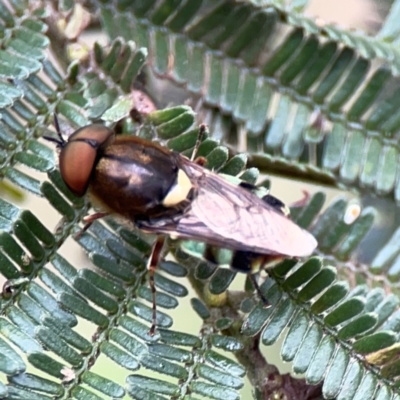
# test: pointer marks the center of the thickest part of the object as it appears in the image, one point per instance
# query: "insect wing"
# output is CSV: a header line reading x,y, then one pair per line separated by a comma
x,y
225,215
235,213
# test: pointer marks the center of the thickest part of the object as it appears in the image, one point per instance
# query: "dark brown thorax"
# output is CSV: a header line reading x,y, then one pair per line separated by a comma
x,y
133,176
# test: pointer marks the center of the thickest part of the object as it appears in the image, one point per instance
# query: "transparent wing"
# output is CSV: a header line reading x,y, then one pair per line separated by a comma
x,y
229,216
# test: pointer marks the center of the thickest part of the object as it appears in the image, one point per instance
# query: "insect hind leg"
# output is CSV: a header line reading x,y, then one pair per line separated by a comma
x,y
245,262
250,263
279,205
202,131
152,266
272,201
253,280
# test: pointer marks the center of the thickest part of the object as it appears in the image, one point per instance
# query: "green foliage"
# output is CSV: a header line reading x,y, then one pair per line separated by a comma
x,y
315,102
316,94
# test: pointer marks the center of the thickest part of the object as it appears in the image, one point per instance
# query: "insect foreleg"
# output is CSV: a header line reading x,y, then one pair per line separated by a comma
x,y
152,266
88,220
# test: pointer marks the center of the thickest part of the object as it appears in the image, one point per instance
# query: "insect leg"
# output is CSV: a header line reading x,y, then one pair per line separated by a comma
x,y
152,266
282,207
277,204
209,255
303,201
253,280
251,263
88,220
202,131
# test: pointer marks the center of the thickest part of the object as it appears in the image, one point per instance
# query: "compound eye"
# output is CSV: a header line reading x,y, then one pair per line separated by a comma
x,y
77,160
78,157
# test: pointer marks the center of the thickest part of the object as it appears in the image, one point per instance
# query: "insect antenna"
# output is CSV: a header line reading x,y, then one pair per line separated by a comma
x,y
60,140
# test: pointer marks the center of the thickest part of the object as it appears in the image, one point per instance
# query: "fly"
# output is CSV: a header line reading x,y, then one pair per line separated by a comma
x,y
164,193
